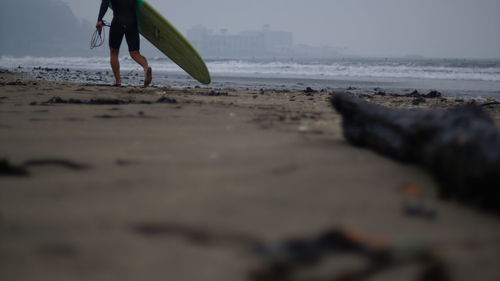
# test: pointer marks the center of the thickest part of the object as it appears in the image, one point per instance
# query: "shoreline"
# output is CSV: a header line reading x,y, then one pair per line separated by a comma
x,y
255,80
376,90
172,175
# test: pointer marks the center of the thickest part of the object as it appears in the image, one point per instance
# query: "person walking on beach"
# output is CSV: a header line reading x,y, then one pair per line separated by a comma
x,y
124,23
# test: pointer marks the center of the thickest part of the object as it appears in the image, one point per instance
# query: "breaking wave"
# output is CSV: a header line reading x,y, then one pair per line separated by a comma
x,y
482,70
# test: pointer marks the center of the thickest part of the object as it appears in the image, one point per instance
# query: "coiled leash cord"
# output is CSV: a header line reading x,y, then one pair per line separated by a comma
x,y
98,37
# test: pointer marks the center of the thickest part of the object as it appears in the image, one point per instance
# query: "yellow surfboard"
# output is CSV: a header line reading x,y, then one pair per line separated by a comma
x,y
164,36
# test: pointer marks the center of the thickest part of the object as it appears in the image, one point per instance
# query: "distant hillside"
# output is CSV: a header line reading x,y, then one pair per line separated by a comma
x,y
42,28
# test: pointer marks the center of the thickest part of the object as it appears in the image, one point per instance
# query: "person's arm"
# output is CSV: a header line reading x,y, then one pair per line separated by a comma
x,y
102,12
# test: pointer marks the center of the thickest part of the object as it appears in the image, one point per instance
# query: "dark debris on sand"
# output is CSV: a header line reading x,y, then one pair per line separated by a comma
x,y
459,146
414,94
309,91
213,94
297,259
14,83
165,99
102,101
140,114
490,104
8,169
287,260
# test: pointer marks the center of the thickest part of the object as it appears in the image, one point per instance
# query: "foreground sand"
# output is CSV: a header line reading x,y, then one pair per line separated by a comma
x,y
268,165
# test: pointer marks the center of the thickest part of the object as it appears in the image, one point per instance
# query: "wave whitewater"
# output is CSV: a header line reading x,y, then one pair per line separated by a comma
x,y
479,70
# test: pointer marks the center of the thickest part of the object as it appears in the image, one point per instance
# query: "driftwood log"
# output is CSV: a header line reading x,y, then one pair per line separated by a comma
x,y
459,146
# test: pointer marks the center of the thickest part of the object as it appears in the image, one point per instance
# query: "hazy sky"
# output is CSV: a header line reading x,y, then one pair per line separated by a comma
x,y
434,28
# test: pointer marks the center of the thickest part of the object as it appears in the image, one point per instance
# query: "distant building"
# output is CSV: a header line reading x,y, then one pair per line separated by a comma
x,y
263,44
244,44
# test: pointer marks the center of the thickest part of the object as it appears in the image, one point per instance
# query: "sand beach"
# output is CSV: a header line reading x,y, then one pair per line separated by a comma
x,y
169,183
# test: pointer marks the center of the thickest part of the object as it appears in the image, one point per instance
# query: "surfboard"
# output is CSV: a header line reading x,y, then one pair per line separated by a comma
x,y
164,36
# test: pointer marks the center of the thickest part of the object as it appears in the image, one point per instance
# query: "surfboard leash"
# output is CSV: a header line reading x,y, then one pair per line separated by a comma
x,y
98,37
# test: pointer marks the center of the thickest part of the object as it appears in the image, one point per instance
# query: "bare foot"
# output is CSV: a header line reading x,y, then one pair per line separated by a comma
x,y
148,77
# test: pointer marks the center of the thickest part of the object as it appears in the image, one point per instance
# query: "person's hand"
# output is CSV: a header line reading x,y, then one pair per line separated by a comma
x,y
99,25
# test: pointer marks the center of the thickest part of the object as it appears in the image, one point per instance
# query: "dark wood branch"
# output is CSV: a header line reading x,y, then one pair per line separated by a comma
x,y
459,146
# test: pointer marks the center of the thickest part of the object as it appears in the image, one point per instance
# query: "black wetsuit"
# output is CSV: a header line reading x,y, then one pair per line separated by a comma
x,y
124,23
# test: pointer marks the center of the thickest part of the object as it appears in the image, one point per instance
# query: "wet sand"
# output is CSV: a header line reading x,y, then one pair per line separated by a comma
x,y
167,183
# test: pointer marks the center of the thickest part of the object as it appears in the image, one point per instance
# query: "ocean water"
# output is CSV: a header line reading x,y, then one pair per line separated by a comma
x,y
469,78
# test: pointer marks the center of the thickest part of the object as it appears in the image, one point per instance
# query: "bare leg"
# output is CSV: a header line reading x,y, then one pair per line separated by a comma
x,y
115,65
136,55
